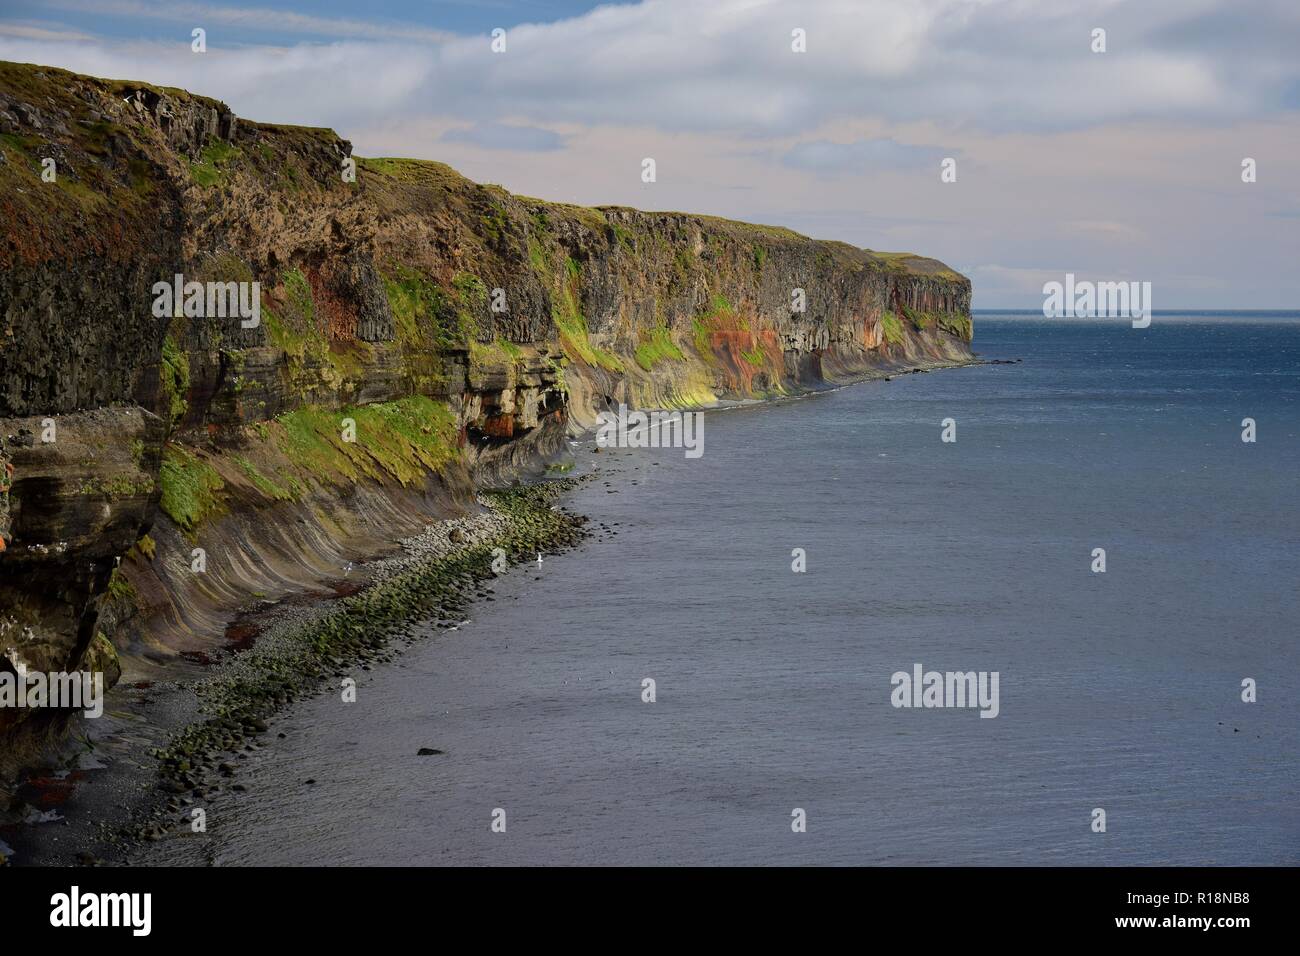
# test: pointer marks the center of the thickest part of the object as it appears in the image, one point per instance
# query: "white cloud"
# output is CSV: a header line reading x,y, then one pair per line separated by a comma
x,y
860,156
1107,229
335,84
35,31
508,136
727,65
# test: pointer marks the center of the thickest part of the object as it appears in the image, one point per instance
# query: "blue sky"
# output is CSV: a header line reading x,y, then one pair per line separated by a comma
x,y
1117,165
236,23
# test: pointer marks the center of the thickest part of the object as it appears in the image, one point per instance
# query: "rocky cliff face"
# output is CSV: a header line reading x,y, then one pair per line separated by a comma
x,y
417,332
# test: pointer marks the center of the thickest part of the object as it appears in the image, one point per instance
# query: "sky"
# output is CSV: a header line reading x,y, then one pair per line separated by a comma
x,y
1117,165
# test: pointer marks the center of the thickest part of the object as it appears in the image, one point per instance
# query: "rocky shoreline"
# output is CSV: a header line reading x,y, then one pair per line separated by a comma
x,y
300,650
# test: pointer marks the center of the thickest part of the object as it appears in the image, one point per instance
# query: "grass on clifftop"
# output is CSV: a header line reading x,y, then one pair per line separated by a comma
x,y
909,263
424,172
595,218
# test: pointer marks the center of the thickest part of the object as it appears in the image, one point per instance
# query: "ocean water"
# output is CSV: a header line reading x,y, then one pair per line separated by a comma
x,y
1119,690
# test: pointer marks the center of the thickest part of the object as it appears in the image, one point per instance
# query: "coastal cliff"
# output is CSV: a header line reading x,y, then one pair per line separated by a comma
x,y
417,336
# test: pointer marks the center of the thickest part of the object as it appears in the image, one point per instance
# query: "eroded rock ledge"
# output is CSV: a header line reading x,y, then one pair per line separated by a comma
x,y
183,438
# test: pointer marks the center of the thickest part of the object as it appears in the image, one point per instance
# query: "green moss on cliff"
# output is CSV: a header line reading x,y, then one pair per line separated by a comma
x,y
406,439
956,323
427,316
718,317
892,328
624,237
119,588
146,546
15,146
496,352
212,169
657,346
312,358
575,340
565,283
471,297
189,487
537,257
920,320
263,484
174,373
118,488
298,290
292,327
568,319
494,223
